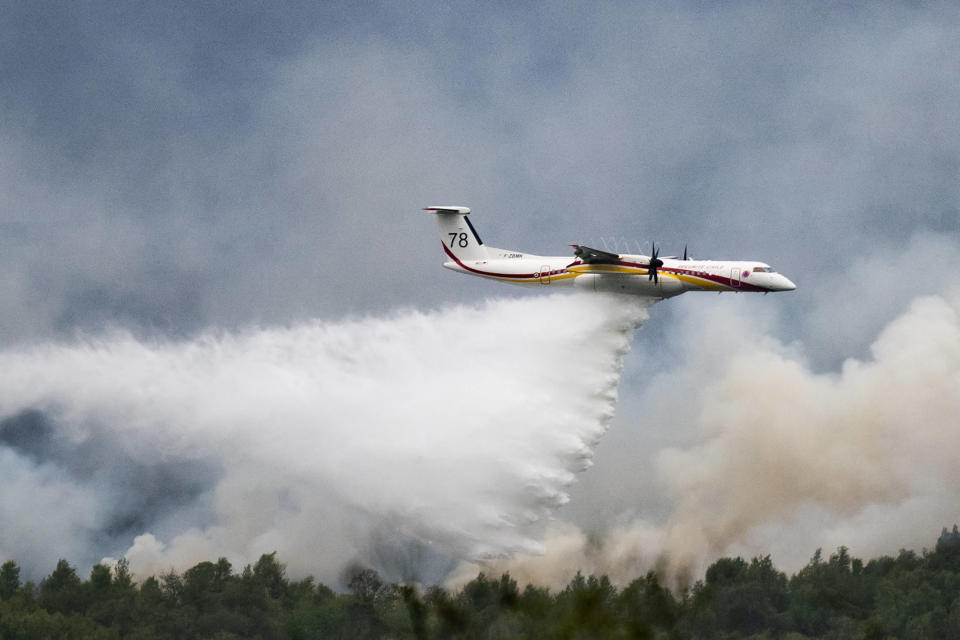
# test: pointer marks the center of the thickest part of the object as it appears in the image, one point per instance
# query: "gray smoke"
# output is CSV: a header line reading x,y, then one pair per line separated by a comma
x,y
782,459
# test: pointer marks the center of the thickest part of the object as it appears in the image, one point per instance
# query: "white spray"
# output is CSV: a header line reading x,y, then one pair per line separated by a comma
x,y
460,429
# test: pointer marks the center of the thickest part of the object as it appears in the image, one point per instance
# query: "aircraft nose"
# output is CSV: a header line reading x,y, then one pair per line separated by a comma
x,y
785,284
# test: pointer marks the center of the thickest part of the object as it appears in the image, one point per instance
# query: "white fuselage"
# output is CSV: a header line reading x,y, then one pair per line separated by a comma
x,y
628,274
597,270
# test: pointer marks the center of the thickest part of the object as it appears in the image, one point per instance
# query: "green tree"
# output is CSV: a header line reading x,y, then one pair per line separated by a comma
x,y
417,610
452,615
9,580
833,594
200,587
149,607
366,588
98,594
740,597
269,574
648,605
587,608
61,591
317,612
122,603
946,554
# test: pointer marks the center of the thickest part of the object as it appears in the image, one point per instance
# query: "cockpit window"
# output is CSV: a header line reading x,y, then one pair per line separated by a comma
x,y
763,270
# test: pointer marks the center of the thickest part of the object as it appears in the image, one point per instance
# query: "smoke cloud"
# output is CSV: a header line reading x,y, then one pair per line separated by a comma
x,y
785,460
457,431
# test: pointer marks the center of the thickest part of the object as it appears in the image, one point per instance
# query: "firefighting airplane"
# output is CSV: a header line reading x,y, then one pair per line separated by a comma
x,y
595,270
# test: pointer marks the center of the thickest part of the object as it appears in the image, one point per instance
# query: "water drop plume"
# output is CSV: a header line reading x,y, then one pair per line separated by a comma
x,y
459,429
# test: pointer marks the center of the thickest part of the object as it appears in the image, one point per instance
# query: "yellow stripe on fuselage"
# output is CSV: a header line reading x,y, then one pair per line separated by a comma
x,y
606,268
553,278
696,281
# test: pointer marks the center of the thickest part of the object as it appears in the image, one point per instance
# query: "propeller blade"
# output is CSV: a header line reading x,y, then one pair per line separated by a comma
x,y
685,252
654,264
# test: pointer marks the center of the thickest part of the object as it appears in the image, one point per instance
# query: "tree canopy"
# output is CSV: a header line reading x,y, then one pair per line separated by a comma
x,y
908,596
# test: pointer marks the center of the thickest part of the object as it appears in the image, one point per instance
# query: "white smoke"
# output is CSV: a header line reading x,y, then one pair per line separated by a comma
x,y
460,429
786,460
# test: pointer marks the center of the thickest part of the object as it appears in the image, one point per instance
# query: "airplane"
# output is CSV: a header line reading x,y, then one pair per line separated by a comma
x,y
595,270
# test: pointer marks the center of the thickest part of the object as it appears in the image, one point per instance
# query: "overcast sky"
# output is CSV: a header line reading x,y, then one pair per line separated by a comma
x,y
176,166
171,168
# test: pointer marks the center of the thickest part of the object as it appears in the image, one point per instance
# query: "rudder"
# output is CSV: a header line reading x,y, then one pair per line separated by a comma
x,y
458,236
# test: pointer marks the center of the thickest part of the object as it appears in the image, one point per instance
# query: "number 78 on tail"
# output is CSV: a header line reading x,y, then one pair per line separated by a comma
x,y
589,269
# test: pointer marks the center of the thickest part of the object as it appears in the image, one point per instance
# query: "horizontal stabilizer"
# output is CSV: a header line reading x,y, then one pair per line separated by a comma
x,y
460,210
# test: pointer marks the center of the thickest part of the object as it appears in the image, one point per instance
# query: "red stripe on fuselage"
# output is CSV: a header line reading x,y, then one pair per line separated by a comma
x,y
487,273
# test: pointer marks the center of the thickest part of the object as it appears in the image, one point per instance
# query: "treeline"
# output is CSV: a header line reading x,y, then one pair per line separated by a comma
x,y
909,596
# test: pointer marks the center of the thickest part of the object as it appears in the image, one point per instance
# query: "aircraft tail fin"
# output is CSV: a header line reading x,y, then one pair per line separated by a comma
x,y
460,240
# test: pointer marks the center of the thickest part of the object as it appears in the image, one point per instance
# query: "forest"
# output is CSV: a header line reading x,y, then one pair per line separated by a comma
x,y
908,596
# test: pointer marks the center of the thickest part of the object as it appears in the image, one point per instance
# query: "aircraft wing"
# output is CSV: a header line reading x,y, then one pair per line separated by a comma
x,y
589,255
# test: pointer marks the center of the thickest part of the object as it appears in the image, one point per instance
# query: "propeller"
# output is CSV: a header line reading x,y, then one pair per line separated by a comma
x,y
685,258
654,264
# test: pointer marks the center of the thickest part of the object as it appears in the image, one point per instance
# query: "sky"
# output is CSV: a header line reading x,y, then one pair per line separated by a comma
x,y
178,171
